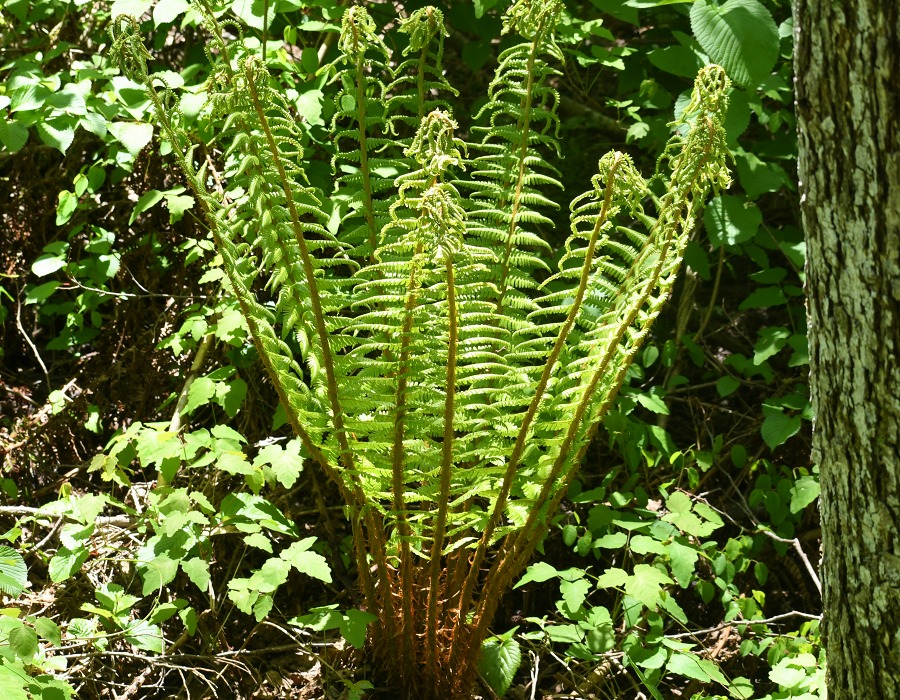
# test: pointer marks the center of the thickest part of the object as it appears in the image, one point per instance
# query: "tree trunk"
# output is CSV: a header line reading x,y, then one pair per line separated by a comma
x,y
847,65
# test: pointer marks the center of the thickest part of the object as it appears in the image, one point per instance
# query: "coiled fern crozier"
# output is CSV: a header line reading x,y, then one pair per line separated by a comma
x,y
431,362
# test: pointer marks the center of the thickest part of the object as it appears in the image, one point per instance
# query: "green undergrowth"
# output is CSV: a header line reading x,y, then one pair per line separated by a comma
x,y
676,543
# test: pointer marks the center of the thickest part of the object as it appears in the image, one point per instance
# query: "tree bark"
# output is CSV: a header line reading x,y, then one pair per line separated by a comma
x,y
847,66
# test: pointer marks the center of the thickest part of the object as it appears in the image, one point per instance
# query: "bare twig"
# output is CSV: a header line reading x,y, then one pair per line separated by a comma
x,y
765,621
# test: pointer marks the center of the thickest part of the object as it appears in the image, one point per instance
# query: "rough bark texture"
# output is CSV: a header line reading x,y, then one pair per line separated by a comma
x,y
848,109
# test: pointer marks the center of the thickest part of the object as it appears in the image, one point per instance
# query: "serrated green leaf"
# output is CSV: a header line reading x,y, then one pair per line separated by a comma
x,y
133,135
13,135
285,463
739,35
786,674
142,635
13,571
24,643
58,133
499,662
177,205
65,563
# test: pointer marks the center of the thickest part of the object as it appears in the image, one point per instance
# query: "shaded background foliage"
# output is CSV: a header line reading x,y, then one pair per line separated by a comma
x,y
108,290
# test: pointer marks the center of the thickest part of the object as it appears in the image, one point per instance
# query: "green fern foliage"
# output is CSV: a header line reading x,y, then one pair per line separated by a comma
x,y
432,363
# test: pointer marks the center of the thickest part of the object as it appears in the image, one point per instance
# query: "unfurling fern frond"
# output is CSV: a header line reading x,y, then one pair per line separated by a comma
x,y
512,173
448,392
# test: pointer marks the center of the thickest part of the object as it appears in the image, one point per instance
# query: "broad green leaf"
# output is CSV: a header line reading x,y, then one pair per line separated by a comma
x,y
65,563
11,686
500,659
135,8
692,666
778,426
574,592
612,578
23,641
614,540
285,463
168,10
763,298
230,395
13,135
727,385
652,402
40,292
197,571
142,635
741,688
157,573
47,265
804,491
651,658
354,625
306,561
147,200
759,176
739,35
200,392
568,634
677,60
133,135
309,106
731,220
251,12
243,598
542,571
68,203
270,576
177,205
49,630
786,673
770,342
645,584
642,544
258,540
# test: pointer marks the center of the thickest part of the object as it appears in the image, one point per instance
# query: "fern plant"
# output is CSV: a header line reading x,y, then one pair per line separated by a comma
x,y
444,377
